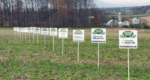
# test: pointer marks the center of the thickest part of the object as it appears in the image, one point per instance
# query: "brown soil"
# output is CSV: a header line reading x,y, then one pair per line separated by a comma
x,y
146,18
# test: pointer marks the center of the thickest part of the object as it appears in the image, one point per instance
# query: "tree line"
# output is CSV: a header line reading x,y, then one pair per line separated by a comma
x,y
47,13
141,10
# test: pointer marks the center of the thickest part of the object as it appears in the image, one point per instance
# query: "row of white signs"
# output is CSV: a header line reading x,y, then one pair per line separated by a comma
x,y
127,38
63,32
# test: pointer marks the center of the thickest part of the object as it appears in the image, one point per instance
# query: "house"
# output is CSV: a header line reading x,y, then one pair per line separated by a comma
x,y
126,23
135,21
112,23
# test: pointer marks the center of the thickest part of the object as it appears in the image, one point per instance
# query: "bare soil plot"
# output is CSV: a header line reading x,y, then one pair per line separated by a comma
x,y
145,18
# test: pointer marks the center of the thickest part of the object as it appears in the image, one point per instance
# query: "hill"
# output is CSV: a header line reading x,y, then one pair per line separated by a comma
x,y
140,10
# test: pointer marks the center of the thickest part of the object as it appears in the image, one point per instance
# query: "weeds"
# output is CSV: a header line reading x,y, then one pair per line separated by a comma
x,y
23,60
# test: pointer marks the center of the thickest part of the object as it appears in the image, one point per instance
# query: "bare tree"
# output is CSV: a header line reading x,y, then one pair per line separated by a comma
x,y
58,13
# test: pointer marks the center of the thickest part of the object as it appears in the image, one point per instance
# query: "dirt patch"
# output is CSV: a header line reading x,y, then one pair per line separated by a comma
x,y
3,58
146,18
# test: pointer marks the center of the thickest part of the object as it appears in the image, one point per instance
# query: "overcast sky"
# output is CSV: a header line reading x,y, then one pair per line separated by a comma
x,y
121,3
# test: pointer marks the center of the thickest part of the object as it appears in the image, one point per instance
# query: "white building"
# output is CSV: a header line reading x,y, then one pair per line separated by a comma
x,y
119,16
112,23
120,23
126,23
135,21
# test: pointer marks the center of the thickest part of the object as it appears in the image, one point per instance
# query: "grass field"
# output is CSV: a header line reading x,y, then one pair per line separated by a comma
x,y
131,16
20,59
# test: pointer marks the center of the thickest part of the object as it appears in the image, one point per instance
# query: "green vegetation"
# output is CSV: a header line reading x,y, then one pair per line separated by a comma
x,y
130,16
68,71
129,12
6,28
138,26
24,60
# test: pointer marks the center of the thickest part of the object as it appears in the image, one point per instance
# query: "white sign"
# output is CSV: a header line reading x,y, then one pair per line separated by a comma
x,y
37,31
29,30
63,33
53,32
128,39
20,29
14,28
44,31
17,29
78,35
98,35
32,29
25,29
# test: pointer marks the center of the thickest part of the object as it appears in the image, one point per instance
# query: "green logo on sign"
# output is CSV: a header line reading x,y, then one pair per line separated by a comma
x,y
28,28
44,29
98,31
37,29
62,30
53,29
128,34
78,32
